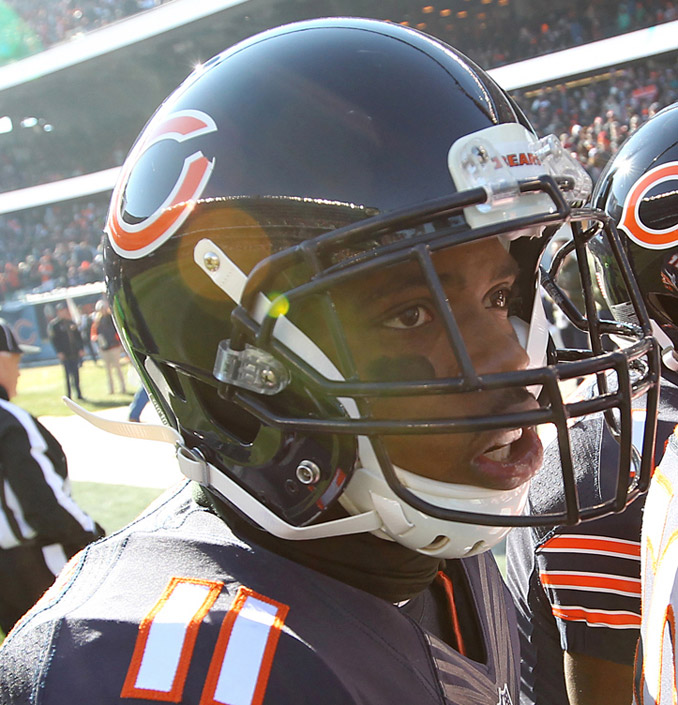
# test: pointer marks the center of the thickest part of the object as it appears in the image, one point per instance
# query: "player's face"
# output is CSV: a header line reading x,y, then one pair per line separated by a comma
x,y
9,372
395,332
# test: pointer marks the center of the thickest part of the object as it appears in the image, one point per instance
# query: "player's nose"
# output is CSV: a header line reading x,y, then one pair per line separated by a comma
x,y
497,350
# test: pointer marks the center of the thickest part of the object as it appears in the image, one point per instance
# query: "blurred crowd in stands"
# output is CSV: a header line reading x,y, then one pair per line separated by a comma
x,y
54,246
59,245
54,21
481,32
552,27
593,120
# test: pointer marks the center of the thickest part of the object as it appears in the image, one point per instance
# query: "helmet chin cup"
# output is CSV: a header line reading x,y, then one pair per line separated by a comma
x,y
428,535
369,491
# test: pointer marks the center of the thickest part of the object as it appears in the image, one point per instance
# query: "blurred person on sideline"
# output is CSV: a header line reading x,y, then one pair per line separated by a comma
x,y
106,337
85,327
65,337
138,404
41,526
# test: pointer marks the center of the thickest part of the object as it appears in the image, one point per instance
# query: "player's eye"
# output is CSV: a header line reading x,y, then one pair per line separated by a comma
x,y
500,298
411,317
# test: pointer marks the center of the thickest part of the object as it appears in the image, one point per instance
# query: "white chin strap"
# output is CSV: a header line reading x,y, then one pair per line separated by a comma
x,y
668,352
372,505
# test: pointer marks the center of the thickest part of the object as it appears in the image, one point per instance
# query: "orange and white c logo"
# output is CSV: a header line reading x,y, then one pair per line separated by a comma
x,y
136,240
630,220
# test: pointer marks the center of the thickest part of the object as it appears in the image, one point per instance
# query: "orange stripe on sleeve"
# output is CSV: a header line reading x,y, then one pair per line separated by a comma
x,y
598,618
578,543
595,582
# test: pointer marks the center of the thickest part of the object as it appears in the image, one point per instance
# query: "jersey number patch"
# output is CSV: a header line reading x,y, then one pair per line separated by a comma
x,y
242,658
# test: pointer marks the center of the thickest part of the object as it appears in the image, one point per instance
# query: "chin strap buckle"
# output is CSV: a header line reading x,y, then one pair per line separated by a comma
x,y
392,515
251,368
193,464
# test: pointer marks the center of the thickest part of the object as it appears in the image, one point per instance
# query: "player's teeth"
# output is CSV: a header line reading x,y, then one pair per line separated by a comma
x,y
500,454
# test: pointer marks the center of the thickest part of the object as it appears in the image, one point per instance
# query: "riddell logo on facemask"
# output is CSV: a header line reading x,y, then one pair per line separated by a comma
x,y
631,218
519,159
137,239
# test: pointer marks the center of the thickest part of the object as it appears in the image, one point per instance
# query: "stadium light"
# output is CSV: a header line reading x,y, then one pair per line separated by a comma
x,y
6,124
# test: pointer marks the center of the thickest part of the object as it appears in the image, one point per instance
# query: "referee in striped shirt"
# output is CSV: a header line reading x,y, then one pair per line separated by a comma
x,y
41,526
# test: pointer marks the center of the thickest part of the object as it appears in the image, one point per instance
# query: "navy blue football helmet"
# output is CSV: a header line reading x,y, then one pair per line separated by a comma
x,y
265,191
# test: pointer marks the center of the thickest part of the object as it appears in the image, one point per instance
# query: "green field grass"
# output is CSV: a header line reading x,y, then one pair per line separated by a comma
x,y
113,506
40,389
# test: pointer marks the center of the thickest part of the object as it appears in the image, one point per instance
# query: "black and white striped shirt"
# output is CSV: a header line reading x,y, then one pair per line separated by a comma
x,y
36,506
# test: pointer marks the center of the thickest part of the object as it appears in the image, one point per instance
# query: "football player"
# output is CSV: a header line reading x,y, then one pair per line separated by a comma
x,y
323,258
641,192
578,589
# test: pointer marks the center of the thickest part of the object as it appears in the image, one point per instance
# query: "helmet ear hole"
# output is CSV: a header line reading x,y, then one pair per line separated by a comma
x,y
241,425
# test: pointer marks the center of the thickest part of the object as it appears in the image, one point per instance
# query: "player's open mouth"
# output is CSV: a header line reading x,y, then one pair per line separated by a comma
x,y
510,460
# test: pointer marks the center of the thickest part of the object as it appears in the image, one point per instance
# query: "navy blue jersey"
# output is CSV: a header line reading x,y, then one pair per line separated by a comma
x,y
577,588
176,608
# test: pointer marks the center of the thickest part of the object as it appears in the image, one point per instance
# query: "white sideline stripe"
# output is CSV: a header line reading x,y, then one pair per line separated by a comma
x,y
166,637
244,655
